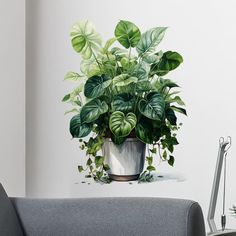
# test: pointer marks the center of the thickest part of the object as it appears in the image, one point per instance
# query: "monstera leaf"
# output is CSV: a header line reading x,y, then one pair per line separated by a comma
x,y
124,80
127,33
153,106
123,102
169,61
149,40
92,110
121,124
79,130
96,85
144,131
85,40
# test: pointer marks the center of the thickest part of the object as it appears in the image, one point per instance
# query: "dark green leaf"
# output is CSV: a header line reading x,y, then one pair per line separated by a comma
x,y
149,160
151,168
127,33
89,162
123,102
170,116
79,130
144,131
96,85
152,106
179,109
106,167
117,140
92,110
66,98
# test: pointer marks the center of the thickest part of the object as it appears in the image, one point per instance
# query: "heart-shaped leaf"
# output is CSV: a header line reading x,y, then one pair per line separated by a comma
x,y
149,40
169,61
79,130
124,80
144,131
153,106
92,110
127,33
121,124
123,102
96,85
85,40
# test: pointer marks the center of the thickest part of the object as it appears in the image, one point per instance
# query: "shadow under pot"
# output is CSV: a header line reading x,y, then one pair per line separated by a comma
x,y
126,161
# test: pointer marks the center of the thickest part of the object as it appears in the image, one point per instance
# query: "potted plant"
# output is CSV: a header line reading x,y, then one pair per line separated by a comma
x,y
123,102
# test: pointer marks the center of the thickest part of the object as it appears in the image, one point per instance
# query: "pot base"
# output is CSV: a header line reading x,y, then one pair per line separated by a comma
x,y
123,178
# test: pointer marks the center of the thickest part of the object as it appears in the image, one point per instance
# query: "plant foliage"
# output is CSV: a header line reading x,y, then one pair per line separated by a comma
x,y
126,94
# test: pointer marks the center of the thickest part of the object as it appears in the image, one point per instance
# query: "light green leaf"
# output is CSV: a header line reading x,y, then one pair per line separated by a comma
x,y
143,86
153,106
85,40
108,45
127,33
90,67
123,102
98,161
121,124
124,80
161,84
96,85
142,71
149,40
76,92
71,111
77,129
176,99
73,76
92,110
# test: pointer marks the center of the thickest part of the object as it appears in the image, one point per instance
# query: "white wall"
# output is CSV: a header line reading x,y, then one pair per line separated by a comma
x,y
202,31
12,96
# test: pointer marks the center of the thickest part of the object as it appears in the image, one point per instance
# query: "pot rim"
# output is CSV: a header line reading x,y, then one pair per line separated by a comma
x,y
127,140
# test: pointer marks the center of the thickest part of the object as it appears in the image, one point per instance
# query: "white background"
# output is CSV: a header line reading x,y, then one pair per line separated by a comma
x,y
12,96
203,32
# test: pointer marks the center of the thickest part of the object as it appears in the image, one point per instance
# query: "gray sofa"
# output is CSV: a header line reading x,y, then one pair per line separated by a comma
x,y
99,217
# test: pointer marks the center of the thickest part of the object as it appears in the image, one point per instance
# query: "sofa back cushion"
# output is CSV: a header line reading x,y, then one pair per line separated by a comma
x,y
110,216
9,222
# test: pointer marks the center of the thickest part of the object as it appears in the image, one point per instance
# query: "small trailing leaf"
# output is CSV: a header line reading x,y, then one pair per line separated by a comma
x,y
171,161
92,110
127,33
150,39
179,109
66,98
85,40
99,161
164,155
152,106
149,160
80,168
123,102
151,168
96,85
121,124
89,162
73,76
77,129
124,80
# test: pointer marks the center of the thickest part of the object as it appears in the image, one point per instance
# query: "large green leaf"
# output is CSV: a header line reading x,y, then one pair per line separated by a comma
x,y
79,130
169,61
96,85
123,102
85,40
149,40
121,124
92,110
127,33
142,70
144,131
153,106
124,80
